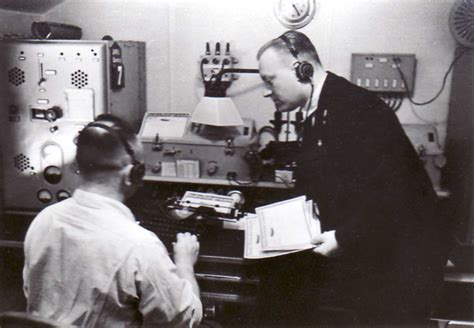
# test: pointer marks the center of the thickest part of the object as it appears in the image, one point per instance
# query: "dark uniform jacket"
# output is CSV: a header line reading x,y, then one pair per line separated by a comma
x,y
360,168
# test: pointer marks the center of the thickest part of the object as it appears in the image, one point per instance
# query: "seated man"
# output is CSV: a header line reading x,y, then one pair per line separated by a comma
x,y
89,263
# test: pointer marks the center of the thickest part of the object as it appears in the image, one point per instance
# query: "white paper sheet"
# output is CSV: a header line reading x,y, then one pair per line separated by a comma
x,y
167,125
285,225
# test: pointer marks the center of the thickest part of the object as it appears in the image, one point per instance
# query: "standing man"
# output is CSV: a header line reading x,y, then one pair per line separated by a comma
x,y
88,262
380,256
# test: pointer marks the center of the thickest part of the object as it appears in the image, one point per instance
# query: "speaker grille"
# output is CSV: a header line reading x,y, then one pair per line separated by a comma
x,y
21,162
16,76
461,22
79,79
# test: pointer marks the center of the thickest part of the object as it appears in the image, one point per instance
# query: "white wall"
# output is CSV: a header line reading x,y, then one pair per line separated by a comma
x,y
176,32
138,20
15,23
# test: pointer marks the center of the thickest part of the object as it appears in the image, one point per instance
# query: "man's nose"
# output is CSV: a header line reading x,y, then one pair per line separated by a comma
x,y
267,92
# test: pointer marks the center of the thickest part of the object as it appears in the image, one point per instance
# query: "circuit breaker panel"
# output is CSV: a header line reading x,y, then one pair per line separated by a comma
x,y
384,73
49,90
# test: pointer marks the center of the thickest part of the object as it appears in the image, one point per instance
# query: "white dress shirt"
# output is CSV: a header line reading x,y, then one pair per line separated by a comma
x,y
315,97
88,263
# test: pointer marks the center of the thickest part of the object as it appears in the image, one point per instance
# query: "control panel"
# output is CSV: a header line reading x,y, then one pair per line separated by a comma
x,y
384,73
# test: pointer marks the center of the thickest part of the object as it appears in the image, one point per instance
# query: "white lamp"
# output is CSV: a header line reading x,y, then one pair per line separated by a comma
x,y
216,111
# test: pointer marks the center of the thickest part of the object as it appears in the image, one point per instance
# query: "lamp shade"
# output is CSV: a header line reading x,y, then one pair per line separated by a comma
x,y
217,111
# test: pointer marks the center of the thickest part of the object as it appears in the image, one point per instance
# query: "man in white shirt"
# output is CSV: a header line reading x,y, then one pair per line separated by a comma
x,y
89,263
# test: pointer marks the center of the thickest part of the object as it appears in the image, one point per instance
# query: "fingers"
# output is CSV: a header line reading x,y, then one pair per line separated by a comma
x,y
318,239
321,249
185,235
326,244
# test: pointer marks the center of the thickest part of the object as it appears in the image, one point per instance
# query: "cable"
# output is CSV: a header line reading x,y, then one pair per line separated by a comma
x,y
202,69
398,103
397,62
231,179
287,185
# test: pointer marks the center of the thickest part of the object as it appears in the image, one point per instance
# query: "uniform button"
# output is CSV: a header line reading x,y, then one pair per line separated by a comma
x,y
320,142
325,113
324,122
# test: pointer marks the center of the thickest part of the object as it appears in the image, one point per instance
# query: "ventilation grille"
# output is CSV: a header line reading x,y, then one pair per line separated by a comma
x,y
22,162
16,76
461,22
79,79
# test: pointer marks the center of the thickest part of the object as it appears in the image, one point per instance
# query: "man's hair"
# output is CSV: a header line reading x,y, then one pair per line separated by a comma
x,y
99,150
298,40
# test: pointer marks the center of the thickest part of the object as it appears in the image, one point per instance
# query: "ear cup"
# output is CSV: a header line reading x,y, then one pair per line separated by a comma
x,y
304,71
137,173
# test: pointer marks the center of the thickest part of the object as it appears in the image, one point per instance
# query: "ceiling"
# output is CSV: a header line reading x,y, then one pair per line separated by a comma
x,y
29,6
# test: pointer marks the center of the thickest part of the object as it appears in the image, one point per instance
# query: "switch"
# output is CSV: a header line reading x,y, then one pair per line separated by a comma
x,y
394,83
385,83
367,82
212,167
359,82
62,195
52,174
376,83
44,196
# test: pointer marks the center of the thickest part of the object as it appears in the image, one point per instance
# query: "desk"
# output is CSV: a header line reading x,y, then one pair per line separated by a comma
x,y
228,283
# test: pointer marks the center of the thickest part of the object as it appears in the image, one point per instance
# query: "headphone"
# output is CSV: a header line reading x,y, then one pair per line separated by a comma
x,y
304,70
138,169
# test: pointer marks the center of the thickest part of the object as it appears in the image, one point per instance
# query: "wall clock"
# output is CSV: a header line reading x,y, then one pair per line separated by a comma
x,y
295,14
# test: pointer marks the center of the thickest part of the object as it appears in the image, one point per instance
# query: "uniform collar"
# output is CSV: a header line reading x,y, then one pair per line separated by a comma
x,y
318,87
96,201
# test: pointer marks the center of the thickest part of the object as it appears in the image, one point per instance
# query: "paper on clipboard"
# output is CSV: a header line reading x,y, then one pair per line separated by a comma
x,y
285,225
253,241
166,125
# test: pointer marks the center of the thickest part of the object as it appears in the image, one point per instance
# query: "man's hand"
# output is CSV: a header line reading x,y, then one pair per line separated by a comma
x,y
186,249
326,243
185,252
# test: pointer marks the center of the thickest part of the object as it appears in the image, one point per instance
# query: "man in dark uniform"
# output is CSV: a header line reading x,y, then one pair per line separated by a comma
x,y
380,256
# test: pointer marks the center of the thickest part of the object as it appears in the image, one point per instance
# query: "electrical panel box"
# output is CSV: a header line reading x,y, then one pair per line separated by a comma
x,y
384,73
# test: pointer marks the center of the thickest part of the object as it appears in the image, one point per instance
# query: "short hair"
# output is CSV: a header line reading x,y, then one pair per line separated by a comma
x,y
99,150
298,40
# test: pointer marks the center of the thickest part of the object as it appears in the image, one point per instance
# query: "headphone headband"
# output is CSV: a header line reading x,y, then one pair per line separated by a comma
x,y
289,45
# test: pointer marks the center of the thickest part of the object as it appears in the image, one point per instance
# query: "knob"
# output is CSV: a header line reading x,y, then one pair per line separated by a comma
x,y
156,168
52,174
62,195
212,167
44,196
53,113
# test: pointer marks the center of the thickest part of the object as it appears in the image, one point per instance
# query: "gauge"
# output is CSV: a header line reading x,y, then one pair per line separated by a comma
x,y
295,14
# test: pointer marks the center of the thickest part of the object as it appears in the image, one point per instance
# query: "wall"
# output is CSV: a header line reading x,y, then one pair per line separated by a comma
x,y
15,23
138,20
340,28
176,32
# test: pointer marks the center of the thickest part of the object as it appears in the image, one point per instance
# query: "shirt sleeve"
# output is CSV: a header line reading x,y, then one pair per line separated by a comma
x,y
165,299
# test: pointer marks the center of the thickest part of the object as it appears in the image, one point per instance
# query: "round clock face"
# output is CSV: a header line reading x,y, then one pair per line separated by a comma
x,y
295,14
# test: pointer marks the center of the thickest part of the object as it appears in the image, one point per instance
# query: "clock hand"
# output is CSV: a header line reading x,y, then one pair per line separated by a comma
x,y
296,9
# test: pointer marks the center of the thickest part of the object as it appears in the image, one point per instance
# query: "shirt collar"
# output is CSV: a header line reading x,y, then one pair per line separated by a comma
x,y
316,94
96,201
